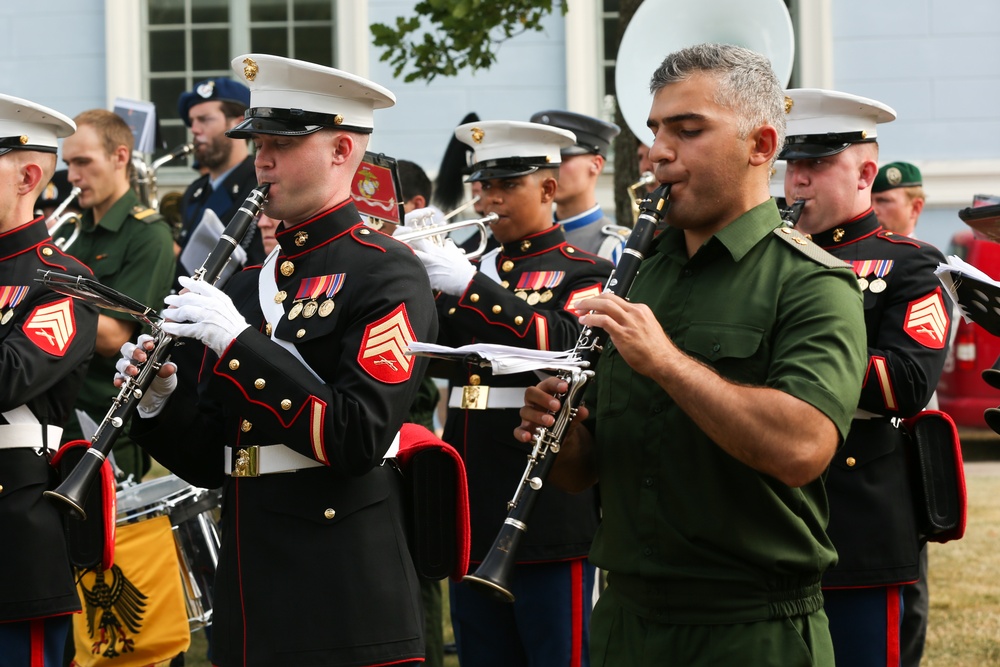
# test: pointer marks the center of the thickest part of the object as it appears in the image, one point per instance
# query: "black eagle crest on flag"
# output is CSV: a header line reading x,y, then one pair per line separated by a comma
x,y
121,606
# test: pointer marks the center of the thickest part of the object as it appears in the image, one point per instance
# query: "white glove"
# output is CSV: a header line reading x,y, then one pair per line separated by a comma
x,y
447,266
204,313
422,217
160,388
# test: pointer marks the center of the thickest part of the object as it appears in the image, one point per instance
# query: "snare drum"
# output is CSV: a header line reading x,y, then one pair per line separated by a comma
x,y
191,511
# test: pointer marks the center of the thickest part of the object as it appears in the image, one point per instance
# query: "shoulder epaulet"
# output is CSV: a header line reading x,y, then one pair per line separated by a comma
x,y
616,230
372,238
145,214
805,245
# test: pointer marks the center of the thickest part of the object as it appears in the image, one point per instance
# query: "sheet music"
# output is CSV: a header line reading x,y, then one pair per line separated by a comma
x,y
504,359
977,294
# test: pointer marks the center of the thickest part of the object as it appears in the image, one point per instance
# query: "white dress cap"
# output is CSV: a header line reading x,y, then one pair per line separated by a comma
x,y
825,122
294,97
28,126
510,148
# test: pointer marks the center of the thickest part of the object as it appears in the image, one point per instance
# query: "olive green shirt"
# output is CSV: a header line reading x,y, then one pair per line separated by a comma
x,y
689,533
130,250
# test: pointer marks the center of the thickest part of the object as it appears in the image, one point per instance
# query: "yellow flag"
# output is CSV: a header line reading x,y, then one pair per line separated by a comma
x,y
134,613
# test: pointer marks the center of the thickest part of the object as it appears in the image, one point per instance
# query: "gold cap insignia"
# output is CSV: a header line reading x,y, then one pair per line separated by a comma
x,y
250,69
478,135
789,103
894,176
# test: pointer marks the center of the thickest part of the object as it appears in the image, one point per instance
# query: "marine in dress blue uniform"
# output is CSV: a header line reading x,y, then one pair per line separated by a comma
x,y
522,294
46,341
298,412
907,318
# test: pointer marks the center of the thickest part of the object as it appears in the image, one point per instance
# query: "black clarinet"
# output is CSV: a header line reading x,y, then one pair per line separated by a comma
x,y
72,493
493,574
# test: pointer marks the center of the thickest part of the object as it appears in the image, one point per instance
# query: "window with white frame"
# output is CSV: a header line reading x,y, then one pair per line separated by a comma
x,y
191,40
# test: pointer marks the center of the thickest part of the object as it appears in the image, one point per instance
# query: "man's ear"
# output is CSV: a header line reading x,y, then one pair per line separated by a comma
x,y
31,178
342,147
763,143
122,157
867,174
417,201
549,186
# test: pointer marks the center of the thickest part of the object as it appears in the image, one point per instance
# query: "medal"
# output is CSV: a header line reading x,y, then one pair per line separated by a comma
x,y
882,268
878,285
863,283
326,308
9,298
521,294
545,296
310,309
533,298
296,309
6,316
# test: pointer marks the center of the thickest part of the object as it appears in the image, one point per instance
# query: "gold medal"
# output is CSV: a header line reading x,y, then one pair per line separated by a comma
x,y
545,296
521,294
863,283
533,298
296,309
877,285
6,316
310,309
326,308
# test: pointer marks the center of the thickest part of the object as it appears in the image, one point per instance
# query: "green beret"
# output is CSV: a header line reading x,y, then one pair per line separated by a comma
x,y
897,175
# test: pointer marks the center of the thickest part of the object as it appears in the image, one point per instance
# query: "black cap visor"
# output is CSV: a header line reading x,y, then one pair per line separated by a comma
x,y
507,168
810,146
288,122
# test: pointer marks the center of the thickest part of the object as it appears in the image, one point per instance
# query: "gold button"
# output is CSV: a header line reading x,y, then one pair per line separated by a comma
x,y
329,513
474,379
451,311
474,298
246,426
267,329
851,461
301,238
1,487
286,404
234,364
47,251
365,231
259,383
287,268
300,333
280,296
496,310
507,265
518,320
570,249
504,284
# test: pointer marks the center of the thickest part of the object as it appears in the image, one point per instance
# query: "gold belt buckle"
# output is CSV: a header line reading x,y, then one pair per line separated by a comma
x,y
246,462
474,397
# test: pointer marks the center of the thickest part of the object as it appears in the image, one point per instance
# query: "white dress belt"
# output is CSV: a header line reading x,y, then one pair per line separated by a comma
x,y
497,397
13,436
270,459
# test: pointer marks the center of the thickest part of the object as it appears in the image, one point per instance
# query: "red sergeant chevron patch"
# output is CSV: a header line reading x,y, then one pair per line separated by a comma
x,y
581,295
52,327
382,352
927,320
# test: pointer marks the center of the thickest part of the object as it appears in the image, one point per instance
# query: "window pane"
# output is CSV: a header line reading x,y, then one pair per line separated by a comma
x,y
609,80
313,10
269,40
611,5
209,11
164,93
173,136
166,11
210,49
610,37
314,45
268,10
166,49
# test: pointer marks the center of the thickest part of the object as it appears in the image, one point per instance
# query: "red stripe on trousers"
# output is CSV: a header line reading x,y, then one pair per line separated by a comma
x,y
892,626
37,648
576,613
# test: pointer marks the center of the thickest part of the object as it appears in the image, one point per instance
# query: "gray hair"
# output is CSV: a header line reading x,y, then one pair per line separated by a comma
x,y
747,83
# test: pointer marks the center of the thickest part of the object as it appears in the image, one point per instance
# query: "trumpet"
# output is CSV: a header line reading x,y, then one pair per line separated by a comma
x,y
437,231
56,220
